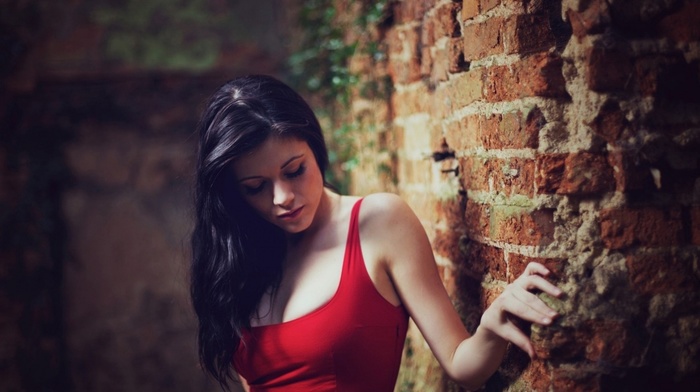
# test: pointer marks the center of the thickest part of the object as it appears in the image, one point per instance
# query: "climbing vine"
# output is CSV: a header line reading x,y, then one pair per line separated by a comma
x,y
333,33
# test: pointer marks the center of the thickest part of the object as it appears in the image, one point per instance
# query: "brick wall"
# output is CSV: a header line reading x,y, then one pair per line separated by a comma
x,y
563,132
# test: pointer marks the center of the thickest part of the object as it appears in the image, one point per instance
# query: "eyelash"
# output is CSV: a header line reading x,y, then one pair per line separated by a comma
x,y
298,172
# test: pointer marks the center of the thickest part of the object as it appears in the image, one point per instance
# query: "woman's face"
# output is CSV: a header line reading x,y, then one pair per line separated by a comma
x,y
281,181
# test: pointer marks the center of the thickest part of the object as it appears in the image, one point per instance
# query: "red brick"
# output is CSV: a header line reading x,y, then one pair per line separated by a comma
x,y
662,272
536,75
527,34
441,66
518,262
427,61
463,134
508,176
483,39
447,244
592,20
489,295
470,9
455,55
451,212
481,259
477,219
511,130
610,122
437,140
668,77
416,172
520,226
630,174
607,69
458,92
576,380
563,343
408,102
404,54
488,5
446,23
651,227
408,11
570,174
538,377
683,25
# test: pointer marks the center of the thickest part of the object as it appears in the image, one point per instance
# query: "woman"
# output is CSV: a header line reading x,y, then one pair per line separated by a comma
x,y
299,288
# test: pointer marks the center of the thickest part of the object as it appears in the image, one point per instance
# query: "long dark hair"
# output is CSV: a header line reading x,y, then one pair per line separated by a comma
x,y
236,255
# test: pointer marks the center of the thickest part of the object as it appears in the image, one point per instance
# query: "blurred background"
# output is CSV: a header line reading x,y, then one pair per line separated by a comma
x,y
98,108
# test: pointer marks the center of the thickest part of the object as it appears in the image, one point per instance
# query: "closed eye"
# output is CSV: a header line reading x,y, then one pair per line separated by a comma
x,y
252,190
297,172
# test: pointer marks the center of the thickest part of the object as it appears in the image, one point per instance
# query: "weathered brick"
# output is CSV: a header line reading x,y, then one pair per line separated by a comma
x,y
446,23
668,77
630,174
481,259
576,173
592,20
651,227
408,11
508,176
537,377
447,244
483,39
536,75
455,55
427,61
662,272
408,102
404,54
525,34
607,69
416,172
521,226
456,93
441,66
518,262
511,129
564,343
575,380
470,9
682,25
477,218
610,122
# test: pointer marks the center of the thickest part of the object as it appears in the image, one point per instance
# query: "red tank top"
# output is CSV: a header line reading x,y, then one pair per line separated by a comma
x,y
352,343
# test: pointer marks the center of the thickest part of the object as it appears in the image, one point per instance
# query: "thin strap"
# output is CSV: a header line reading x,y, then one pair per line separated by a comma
x,y
353,240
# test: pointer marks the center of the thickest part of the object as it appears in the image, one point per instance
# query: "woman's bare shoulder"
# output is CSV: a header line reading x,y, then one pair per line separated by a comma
x,y
379,206
385,213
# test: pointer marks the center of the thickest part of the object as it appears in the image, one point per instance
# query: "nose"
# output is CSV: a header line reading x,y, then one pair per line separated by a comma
x,y
283,195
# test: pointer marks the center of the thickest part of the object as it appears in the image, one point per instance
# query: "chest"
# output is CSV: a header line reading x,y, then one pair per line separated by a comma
x,y
310,279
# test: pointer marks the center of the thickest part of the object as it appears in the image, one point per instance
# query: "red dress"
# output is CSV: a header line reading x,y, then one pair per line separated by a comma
x,y
352,343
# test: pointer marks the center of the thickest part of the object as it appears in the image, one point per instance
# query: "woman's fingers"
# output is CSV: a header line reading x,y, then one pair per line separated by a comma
x,y
510,332
538,282
527,306
517,300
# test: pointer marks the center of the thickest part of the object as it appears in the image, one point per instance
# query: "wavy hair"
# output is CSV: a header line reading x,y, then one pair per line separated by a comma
x,y
236,255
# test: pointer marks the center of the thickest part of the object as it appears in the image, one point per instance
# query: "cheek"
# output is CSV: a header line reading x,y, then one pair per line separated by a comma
x,y
257,204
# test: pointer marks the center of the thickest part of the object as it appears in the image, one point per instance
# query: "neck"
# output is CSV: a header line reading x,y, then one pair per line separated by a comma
x,y
327,205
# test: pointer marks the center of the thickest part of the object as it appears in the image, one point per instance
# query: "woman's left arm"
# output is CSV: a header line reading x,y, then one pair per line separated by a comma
x,y
399,240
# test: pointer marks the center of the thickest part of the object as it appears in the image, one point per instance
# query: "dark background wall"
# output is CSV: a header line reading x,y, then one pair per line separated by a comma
x,y
98,107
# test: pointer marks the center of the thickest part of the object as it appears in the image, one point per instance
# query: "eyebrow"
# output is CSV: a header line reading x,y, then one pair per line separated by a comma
x,y
287,162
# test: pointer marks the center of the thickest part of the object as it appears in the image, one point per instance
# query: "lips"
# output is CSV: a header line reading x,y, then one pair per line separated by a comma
x,y
291,214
